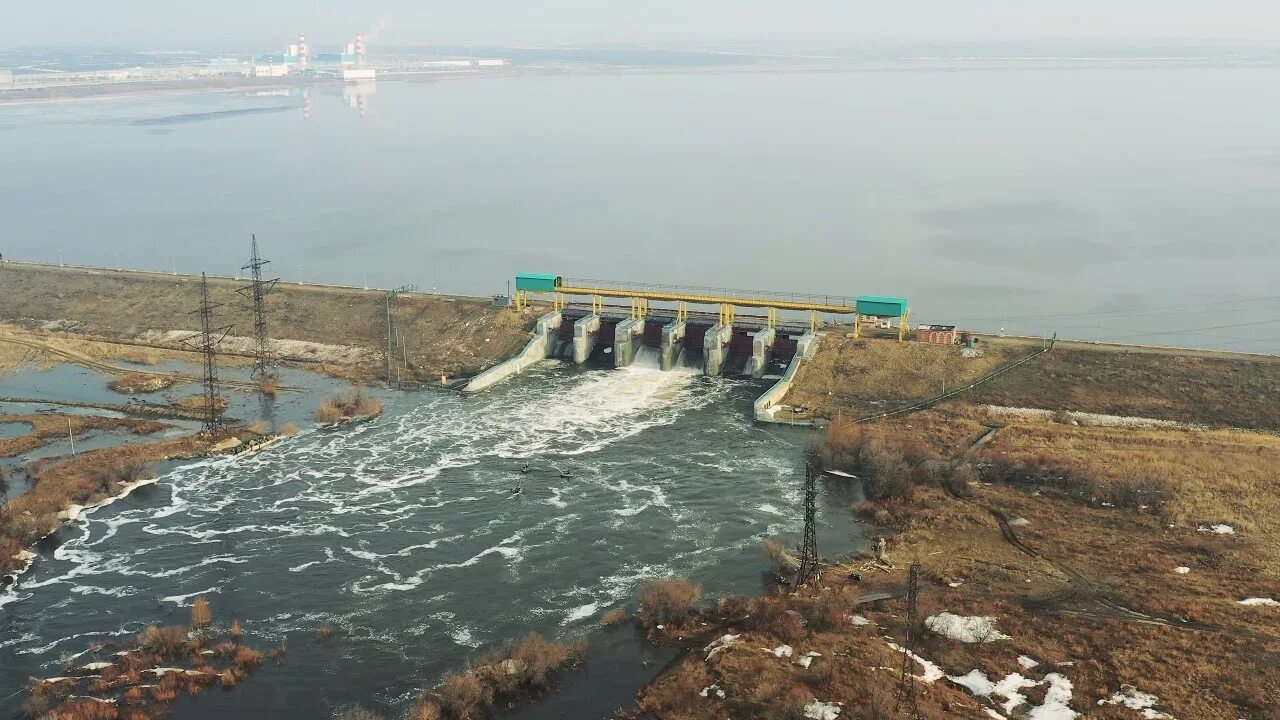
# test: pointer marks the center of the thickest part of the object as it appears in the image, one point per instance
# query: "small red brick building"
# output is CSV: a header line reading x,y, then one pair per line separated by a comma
x,y
936,334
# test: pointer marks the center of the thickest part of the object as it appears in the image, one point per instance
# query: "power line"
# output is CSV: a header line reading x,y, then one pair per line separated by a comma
x,y
1138,311
1184,331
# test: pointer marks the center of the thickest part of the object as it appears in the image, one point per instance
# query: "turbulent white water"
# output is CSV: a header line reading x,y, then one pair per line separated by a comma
x,y
404,534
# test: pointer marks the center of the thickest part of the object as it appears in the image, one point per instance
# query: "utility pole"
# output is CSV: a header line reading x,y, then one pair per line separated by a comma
x,y
263,364
808,570
206,342
906,694
392,294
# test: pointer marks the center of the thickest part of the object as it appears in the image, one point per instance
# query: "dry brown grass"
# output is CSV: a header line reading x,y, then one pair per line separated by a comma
x,y
777,555
53,427
445,335
859,377
670,601
288,430
259,427
1187,386
139,383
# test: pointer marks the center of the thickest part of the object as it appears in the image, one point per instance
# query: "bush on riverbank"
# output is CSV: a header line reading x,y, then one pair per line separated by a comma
x,y
516,669
669,601
350,403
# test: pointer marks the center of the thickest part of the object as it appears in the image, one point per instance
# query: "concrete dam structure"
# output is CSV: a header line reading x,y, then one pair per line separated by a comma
x,y
673,336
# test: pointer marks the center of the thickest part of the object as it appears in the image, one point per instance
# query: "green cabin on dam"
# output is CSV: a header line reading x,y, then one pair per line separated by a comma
x,y
537,282
881,306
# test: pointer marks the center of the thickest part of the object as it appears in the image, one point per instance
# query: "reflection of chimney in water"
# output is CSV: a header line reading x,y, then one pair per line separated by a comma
x,y
306,103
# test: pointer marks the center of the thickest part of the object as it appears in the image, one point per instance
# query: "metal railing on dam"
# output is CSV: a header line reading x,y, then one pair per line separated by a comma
x,y
837,304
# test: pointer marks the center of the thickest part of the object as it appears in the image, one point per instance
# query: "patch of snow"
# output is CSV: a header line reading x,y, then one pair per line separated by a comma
x,y
807,660
1260,601
1182,570
818,710
96,666
976,682
993,714
1008,688
721,643
1019,522
840,473
780,651
710,689
1057,700
1217,529
857,620
1027,662
932,673
955,584
965,629
1133,698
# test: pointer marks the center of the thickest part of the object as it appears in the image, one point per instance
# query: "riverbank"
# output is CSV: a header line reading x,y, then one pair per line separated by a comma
x,y
339,331
1067,570
858,378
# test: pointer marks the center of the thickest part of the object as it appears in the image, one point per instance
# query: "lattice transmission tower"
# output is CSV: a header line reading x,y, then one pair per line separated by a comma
x,y
906,693
264,366
206,343
808,570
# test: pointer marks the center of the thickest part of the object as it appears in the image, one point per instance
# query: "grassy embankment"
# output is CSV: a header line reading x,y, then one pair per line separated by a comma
x,y
338,331
857,378
1091,548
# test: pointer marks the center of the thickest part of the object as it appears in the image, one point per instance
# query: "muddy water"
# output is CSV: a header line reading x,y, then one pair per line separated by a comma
x,y
405,537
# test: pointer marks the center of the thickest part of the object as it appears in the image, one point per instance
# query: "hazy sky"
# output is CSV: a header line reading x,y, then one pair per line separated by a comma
x,y
171,24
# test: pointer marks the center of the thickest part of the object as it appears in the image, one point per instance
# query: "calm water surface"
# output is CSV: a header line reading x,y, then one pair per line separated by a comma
x,y
1116,204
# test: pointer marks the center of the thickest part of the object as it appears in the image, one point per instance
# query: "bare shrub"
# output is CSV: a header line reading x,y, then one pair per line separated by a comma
x,y
201,613
463,694
540,657
667,601
778,555
163,641
259,427
288,430
236,631
328,412
247,658
614,617
324,634
425,708
269,389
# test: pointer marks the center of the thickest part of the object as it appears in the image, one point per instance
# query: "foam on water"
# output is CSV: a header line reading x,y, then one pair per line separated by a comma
x,y
408,522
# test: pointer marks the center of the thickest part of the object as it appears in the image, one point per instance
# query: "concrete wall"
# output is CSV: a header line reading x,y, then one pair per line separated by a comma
x,y
584,337
537,350
625,341
761,351
672,342
764,407
715,348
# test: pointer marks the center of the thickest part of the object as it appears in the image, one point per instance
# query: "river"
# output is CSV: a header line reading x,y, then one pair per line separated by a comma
x,y
1122,203
404,536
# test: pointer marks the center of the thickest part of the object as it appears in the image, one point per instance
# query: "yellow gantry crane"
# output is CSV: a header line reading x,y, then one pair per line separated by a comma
x,y
727,301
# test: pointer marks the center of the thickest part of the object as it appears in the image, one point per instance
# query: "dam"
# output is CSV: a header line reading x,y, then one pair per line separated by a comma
x,y
772,336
